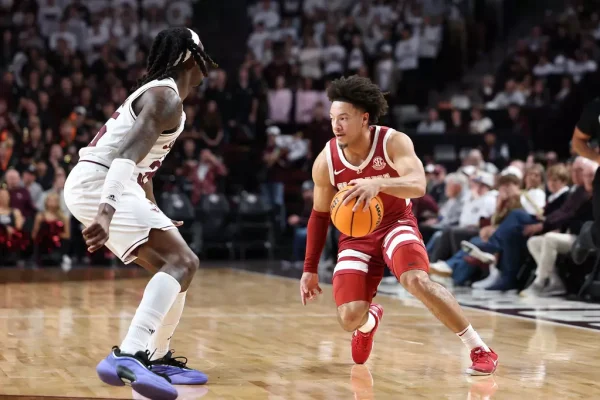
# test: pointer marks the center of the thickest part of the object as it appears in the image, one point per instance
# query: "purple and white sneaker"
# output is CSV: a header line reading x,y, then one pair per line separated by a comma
x,y
119,369
176,370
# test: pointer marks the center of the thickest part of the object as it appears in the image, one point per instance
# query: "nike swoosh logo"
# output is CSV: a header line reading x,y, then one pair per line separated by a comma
x,y
339,172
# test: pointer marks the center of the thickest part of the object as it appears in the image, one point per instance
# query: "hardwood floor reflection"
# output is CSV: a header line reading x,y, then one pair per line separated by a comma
x,y
250,333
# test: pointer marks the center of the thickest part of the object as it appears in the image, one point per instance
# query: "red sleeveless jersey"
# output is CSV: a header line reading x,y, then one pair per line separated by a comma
x,y
377,165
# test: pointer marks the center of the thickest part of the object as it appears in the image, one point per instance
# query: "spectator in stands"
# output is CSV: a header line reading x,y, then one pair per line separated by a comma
x,y
280,102
274,169
407,61
212,131
299,223
57,188
510,95
478,205
385,75
479,123
565,89
11,223
51,230
310,59
436,182
29,182
204,177
487,92
546,247
506,242
449,213
433,123
475,158
457,125
540,95
20,198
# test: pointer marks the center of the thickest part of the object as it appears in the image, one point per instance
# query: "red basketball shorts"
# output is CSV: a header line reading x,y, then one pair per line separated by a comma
x,y
361,261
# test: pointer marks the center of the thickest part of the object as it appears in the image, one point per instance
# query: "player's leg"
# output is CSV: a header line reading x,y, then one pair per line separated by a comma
x,y
407,258
155,255
355,282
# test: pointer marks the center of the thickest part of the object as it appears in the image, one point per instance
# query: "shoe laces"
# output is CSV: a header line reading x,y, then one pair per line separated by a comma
x,y
168,359
362,339
480,355
144,358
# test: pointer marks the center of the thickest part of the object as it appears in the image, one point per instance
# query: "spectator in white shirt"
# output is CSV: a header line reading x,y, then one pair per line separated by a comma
x,y
256,41
153,23
430,39
384,70
581,66
479,123
285,30
533,199
178,12
544,67
334,57
64,34
48,17
313,8
407,51
280,102
267,15
310,59
98,35
510,95
363,14
432,124
357,55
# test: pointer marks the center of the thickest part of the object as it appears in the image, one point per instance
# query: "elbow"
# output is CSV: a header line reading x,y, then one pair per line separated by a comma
x,y
420,191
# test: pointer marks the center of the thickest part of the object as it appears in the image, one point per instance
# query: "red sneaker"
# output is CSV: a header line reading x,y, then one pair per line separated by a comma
x,y
484,362
362,343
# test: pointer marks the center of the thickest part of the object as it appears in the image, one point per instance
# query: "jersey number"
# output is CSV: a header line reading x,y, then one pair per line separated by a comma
x,y
102,131
144,178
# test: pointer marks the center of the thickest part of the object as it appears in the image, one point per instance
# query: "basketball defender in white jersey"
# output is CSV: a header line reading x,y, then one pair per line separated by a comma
x,y
110,192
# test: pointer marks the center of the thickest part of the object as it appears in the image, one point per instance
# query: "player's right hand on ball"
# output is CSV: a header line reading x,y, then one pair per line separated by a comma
x,y
96,234
309,286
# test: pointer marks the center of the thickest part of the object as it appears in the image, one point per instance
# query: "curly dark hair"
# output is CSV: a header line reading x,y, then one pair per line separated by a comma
x,y
361,93
168,47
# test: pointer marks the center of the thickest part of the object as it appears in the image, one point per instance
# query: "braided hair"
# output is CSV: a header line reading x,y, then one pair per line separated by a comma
x,y
166,55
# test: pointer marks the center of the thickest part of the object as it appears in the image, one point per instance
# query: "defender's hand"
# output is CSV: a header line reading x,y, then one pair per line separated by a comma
x,y
177,223
96,235
309,287
364,190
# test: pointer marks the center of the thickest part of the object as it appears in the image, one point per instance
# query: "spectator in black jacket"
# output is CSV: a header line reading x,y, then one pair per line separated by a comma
x,y
562,228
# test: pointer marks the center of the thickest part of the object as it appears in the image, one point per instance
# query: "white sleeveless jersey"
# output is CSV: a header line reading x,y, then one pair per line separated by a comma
x,y
103,148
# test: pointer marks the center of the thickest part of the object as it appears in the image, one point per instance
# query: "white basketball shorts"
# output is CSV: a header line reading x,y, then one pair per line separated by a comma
x,y
135,214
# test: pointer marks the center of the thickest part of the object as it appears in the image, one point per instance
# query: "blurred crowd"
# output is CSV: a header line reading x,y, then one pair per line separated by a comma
x,y
66,65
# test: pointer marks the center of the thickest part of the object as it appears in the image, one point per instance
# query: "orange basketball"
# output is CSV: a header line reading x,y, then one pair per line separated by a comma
x,y
359,223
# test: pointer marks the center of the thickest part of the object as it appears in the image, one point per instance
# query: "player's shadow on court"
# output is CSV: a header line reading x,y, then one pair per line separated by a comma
x,y
185,393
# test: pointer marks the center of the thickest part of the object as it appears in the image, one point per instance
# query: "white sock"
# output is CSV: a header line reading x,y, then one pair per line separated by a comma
x,y
158,298
369,325
471,339
161,340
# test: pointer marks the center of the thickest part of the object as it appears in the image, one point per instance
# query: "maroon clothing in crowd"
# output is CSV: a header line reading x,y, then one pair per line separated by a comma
x,y
21,200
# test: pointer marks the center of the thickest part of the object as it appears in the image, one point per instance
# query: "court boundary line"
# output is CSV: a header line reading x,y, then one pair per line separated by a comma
x,y
520,317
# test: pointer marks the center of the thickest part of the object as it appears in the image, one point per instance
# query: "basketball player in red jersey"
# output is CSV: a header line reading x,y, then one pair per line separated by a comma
x,y
376,161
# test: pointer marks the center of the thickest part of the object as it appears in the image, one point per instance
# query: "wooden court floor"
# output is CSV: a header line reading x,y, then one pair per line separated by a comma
x,y
255,340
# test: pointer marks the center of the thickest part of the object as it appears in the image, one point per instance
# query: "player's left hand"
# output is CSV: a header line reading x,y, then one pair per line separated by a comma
x,y
177,223
364,190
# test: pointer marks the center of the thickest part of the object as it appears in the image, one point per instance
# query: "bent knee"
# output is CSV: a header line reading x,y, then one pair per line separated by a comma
x,y
351,315
414,280
190,262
